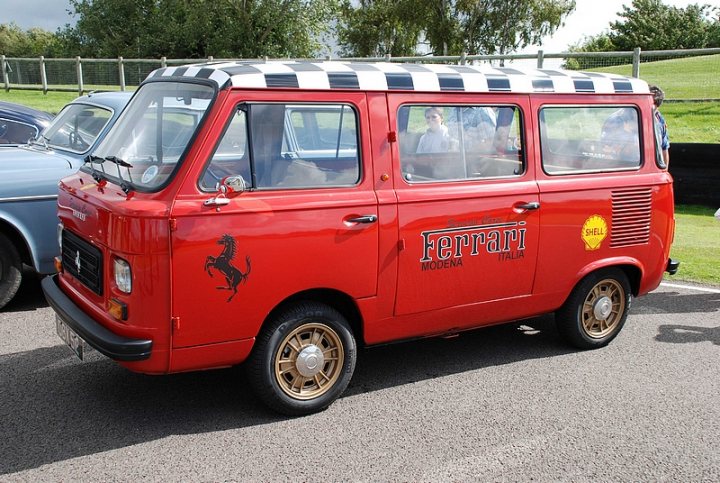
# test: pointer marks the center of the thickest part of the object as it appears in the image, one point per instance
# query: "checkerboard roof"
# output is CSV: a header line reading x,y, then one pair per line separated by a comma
x,y
385,76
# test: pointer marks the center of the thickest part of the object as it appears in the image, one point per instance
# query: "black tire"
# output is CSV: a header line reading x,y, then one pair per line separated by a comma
x,y
307,375
596,310
10,271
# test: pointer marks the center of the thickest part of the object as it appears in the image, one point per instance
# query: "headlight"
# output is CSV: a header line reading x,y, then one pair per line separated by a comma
x,y
123,275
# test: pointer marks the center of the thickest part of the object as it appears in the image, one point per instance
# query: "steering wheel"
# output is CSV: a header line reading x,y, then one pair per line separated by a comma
x,y
77,141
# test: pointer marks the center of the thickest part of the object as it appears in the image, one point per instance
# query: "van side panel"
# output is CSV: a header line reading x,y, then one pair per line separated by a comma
x,y
591,220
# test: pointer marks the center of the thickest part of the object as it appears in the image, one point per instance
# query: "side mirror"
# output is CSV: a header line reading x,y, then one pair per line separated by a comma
x,y
233,184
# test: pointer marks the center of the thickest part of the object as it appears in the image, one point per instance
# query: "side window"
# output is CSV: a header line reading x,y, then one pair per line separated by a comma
x,y
230,157
659,134
589,139
12,132
451,143
290,146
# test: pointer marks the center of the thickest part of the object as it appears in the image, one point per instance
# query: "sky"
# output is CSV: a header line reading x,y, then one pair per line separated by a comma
x,y
591,17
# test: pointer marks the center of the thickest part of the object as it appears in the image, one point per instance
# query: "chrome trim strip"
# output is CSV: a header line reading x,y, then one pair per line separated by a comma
x,y
30,198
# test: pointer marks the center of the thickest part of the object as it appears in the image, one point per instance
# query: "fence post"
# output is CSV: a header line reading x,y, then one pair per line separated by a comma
x,y
463,58
43,74
78,70
6,79
211,58
121,73
636,63
540,59
163,62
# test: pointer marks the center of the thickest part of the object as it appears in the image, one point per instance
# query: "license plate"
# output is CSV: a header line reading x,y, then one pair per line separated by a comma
x,y
71,339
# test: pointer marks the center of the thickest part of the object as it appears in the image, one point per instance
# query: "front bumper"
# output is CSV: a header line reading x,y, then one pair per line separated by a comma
x,y
112,345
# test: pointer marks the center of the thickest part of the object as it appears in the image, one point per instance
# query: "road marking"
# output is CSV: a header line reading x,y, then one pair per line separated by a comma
x,y
690,287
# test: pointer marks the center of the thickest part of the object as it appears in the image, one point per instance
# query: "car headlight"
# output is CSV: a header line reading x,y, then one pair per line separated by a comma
x,y
123,275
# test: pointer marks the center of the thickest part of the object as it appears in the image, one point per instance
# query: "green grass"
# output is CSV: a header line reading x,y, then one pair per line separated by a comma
x,y
688,78
693,122
51,102
696,245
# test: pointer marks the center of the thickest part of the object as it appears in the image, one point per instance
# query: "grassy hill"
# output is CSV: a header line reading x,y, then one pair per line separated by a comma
x,y
688,78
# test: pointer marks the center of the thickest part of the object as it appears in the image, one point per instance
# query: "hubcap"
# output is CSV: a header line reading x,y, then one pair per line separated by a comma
x,y
603,308
309,361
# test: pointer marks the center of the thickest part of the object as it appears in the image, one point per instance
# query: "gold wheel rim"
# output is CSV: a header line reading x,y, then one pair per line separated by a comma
x,y
309,361
603,308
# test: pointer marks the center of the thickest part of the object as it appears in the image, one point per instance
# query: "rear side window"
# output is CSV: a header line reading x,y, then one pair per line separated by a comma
x,y
456,143
12,132
279,146
589,139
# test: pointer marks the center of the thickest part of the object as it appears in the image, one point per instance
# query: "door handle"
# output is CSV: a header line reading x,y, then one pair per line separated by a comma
x,y
217,201
533,205
362,219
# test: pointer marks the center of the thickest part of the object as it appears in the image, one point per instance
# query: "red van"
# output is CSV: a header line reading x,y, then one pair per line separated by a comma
x,y
281,213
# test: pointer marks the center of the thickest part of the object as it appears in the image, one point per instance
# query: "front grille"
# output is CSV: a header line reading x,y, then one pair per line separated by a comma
x,y
83,261
631,213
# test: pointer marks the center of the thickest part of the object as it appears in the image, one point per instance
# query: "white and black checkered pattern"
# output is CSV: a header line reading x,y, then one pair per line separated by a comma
x,y
403,77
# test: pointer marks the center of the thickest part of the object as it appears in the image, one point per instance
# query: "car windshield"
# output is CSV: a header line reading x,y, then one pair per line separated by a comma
x,y
76,127
144,147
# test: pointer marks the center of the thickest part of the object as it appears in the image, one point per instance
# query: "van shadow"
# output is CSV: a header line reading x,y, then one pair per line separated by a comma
x,y
677,303
55,408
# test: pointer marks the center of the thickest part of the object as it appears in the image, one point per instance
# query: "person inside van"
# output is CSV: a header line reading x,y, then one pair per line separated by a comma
x,y
619,136
437,138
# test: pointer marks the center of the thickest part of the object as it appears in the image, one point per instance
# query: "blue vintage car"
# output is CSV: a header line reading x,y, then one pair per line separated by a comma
x,y
29,176
19,124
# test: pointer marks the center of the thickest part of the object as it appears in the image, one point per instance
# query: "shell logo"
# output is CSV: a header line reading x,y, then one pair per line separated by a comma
x,y
594,232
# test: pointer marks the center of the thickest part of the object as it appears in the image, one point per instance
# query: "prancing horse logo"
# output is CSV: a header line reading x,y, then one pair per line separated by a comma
x,y
77,260
223,264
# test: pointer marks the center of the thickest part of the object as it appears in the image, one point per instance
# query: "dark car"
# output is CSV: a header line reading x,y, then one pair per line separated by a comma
x,y
19,124
29,176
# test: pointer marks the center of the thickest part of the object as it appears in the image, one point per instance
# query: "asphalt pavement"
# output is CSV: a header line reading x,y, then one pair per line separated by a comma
x,y
507,403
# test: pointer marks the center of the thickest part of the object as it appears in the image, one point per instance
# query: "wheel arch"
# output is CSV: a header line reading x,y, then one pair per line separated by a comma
x,y
17,238
632,268
336,299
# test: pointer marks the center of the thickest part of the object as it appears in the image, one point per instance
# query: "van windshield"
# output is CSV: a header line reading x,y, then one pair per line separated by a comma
x,y
145,146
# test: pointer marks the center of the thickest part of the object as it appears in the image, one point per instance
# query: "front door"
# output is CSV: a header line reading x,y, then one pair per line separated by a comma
x,y
305,220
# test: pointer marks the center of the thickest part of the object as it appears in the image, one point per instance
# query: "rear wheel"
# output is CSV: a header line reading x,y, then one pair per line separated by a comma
x,y
10,270
596,310
303,359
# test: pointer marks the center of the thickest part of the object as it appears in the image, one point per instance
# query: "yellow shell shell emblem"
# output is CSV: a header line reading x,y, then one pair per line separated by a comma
x,y
594,232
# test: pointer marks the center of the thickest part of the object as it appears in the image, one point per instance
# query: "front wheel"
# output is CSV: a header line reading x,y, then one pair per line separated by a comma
x,y
596,310
303,359
10,270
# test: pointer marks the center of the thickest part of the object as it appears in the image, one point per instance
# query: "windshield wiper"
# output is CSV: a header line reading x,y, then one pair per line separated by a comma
x,y
92,160
118,161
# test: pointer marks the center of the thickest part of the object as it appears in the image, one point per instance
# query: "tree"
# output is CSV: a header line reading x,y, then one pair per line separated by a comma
x,y
501,27
375,28
652,25
199,28
451,27
15,42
